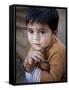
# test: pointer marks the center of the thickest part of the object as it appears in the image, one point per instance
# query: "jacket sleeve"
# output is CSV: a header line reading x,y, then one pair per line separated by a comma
x,y
57,66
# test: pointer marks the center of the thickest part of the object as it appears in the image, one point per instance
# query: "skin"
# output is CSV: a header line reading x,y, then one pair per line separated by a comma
x,y
39,37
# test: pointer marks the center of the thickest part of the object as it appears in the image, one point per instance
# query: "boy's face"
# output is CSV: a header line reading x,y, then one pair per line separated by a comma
x,y
39,35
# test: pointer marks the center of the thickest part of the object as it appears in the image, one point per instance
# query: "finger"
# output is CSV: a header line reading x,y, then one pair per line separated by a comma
x,y
38,56
35,59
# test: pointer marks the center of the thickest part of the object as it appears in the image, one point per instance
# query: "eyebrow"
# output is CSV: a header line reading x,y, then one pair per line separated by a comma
x,y
37,29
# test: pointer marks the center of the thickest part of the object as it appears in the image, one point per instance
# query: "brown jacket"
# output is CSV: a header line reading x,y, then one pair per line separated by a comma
x,y
55,53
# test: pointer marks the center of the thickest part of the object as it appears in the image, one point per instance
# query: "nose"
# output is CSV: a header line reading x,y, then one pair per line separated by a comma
x,y
36,36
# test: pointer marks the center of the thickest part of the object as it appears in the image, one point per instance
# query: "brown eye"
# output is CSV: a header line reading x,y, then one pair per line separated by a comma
x,y
30,31
42,32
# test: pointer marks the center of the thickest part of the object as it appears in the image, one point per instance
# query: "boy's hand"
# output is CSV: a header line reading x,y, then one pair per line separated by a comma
x,y
36,57
32,59
29,64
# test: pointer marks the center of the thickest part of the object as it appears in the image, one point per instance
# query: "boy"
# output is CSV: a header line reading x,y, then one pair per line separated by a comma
x,y
46,59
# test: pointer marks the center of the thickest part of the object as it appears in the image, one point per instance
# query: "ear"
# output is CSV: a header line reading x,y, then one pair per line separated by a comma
x,y
55,31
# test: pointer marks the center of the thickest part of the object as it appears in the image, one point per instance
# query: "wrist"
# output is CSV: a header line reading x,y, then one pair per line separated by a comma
x,y
28,67
44,66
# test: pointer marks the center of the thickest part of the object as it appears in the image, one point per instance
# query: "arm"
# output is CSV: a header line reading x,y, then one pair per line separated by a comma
x,y
29,66
33,58
57,66
44,65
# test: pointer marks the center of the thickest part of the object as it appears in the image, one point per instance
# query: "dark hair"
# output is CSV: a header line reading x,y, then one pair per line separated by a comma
x,y
43,16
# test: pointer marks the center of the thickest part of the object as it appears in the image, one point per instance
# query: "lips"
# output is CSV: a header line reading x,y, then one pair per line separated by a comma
x,y
36,44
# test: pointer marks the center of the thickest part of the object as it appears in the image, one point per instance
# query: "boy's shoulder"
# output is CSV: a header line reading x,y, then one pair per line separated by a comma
x,y
57,47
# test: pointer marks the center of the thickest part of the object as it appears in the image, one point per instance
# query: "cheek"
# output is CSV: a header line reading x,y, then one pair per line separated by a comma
x,y
29,37
46,40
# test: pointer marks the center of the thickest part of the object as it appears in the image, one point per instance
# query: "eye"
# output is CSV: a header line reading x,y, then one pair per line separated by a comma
x,y
42,32
30,31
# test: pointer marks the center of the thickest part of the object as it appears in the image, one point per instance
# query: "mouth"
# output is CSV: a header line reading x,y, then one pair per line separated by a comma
x,y
36,44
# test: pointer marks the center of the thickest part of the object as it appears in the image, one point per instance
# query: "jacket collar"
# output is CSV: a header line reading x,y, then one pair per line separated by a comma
x,y
46,50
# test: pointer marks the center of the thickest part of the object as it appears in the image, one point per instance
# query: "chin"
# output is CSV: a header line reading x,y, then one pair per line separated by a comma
x,y
38,49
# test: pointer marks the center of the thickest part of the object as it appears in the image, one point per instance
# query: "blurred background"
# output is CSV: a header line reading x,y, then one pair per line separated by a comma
x,y
22,44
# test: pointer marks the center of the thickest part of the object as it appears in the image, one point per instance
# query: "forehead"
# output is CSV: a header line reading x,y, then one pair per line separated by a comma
x,y
37,26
